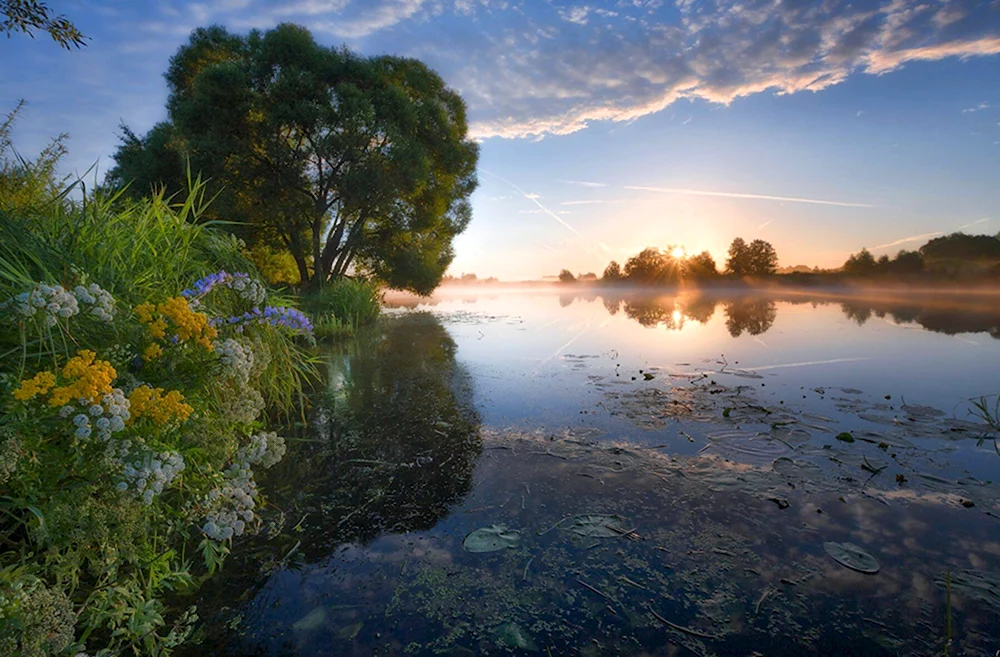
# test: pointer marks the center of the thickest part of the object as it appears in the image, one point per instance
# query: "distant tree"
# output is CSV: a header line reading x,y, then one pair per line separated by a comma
x,y
28,16
469,278
907,262
763,258
738,262
566,276
860,264
646,267
345,161
883,262
589,276
613,272
701,266
962,246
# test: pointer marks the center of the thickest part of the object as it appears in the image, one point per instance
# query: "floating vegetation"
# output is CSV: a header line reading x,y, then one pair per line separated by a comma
x,y
853,557
511,635
492,539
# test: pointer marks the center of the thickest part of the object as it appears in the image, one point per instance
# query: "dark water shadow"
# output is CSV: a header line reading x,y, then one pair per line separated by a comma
x,y
390,448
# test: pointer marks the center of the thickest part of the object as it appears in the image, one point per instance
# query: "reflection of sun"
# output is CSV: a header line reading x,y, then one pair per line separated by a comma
x,y
678,252
677,316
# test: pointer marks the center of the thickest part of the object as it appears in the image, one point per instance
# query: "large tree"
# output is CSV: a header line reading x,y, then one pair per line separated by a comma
x,y
348,162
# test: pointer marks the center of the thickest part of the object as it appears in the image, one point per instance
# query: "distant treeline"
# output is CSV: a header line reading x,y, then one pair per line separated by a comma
x,y
952,256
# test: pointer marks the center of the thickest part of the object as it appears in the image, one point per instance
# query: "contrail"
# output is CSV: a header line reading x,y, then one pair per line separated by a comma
x,y
765,224
533,199
912,238
546,246
584,183
763,197
973,223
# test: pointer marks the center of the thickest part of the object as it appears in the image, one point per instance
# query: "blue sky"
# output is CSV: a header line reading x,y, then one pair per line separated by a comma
x,y
610,126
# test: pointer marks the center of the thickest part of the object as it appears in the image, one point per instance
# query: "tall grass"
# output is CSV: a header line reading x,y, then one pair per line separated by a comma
x,y
343,306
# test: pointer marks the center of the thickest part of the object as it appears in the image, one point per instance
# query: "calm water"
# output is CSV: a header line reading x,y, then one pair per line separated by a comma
x,y
662,475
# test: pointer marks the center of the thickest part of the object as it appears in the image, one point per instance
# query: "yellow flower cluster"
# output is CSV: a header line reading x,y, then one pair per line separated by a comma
x,y
190,325
93,379
39,384
90,379
152,352
160,408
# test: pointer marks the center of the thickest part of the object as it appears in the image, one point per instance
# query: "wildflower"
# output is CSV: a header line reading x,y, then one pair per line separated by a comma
x,y
39,384
189,325
150,474
236,358
102,304
83,433
152,352
91,380
146,401
246,288
52,301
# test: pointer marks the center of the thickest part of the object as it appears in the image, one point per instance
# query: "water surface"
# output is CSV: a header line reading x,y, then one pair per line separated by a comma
x,y
667,470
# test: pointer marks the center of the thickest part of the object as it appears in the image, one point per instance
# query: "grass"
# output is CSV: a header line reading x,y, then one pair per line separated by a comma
x,y
343,306
989,412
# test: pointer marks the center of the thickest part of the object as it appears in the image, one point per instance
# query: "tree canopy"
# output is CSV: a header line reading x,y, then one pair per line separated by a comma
x,y
348,162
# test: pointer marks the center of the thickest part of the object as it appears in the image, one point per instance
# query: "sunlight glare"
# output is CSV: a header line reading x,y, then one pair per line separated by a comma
x,y
678,252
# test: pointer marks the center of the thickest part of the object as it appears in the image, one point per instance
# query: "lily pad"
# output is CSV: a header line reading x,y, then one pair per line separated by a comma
x,y
846,437
598,526
310,621
512,636
492,539
853,557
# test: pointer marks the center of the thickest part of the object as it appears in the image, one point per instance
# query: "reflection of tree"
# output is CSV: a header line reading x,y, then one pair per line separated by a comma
x,y
391,447
857,312
753,315
668,312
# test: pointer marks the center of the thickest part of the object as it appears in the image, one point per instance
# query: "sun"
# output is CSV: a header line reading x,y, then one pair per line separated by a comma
x,y
678,252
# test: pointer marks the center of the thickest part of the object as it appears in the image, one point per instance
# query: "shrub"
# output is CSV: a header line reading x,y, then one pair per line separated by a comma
x,y
343,306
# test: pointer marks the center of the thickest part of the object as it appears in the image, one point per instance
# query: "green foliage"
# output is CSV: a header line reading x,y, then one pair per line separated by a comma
x,y
347,162
29,16
105,503
340,308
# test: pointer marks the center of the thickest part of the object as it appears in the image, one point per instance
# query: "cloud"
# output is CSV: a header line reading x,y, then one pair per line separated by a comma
x,y
596,201
554,77
977,108
584,183
763,197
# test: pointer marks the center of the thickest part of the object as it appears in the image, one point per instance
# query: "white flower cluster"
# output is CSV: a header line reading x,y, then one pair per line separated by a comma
x,y
52,301
265,448
102,304
108,418
249,289
241,404
151,474
231,505
236,358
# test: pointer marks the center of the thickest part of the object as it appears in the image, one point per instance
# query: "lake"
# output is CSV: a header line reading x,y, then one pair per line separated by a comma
x,y
572,471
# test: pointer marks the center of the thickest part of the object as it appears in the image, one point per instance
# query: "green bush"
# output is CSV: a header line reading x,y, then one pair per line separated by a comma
x,y
340,308
136,385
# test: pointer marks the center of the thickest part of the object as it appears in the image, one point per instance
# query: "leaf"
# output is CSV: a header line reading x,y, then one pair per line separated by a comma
x,y
846,437
726,412
853,557
492,539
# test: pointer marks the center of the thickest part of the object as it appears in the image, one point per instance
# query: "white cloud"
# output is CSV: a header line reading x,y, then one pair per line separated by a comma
x,y
596,201
584,183
977,108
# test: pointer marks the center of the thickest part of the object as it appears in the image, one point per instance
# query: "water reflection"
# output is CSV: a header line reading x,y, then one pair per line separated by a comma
x,y
754,311
390,449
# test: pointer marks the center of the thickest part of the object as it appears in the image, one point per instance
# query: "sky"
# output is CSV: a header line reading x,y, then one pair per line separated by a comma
x,y
822,126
